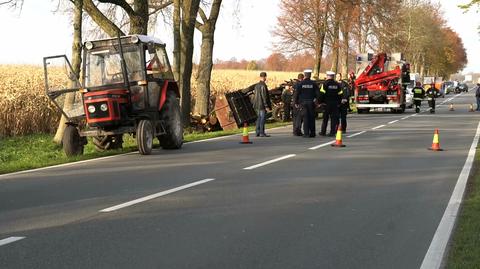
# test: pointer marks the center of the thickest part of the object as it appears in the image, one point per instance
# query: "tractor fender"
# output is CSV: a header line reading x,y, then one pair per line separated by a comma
x,y
168,86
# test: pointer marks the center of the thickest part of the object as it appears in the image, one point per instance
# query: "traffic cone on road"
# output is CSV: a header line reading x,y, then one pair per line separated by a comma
x,y
245,138
451,107
338,140
436,142
471,108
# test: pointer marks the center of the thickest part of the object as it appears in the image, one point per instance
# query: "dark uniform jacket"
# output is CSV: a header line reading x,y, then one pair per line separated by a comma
x,y
305,91
432,93
261,98
418,93
331,93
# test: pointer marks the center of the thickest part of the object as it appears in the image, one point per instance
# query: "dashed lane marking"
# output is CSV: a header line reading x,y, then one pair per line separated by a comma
x,y
378,127
322,145
395,121
270,162
155,195
12,239
357,134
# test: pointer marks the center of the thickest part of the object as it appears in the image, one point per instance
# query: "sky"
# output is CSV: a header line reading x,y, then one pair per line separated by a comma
x,y
243,32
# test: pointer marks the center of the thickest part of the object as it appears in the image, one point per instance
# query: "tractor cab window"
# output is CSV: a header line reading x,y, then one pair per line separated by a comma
x,y
157,64
104,66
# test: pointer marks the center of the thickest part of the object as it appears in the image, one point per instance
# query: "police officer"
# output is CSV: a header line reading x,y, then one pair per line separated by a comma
x,y
297,117
432,94
331,95
305,95
418,95
345,105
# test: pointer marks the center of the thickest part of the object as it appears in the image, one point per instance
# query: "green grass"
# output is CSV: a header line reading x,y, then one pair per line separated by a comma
x,y
465,248
35,151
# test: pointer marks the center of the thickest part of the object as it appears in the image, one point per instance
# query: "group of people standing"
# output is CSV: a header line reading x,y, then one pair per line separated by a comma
x,y
331,96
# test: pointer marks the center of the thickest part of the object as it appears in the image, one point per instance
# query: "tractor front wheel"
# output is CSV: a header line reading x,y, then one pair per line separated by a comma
x,y
145,137
172,118
72,142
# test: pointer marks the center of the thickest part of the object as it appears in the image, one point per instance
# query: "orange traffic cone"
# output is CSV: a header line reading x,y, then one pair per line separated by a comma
x,y
471,108
338,140
245,138
451,107
436,142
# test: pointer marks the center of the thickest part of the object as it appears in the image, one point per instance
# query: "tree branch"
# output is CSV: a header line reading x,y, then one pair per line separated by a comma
x,y
121,3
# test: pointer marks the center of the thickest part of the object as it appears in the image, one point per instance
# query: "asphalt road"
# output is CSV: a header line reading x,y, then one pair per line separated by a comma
x,y
374,204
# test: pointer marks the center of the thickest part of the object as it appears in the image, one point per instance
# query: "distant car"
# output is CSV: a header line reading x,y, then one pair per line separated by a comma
x,y
462,87
448,87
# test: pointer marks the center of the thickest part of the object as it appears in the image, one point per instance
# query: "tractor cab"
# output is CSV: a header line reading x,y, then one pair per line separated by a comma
x,y
124,80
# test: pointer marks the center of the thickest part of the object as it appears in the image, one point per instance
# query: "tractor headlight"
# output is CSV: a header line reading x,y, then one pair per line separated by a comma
x,y
91,109
104,107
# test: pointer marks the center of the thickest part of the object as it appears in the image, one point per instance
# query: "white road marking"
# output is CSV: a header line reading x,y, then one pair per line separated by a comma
x,y
357,134
378,127
269,162
322,145
404,118
155,195
11,240
392,122
434,257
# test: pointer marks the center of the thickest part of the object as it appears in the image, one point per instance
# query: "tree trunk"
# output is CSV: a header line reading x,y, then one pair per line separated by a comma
x,y
346,52
177,10
189,10
203,76
336,40
139,21
76,64
206,59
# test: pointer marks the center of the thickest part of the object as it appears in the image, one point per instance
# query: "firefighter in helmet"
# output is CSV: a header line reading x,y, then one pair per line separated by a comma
x,y
432,94
418,96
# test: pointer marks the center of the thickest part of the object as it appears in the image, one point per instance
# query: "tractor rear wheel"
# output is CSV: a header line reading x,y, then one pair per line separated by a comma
x,y
103,143
172,118
145,137
72,142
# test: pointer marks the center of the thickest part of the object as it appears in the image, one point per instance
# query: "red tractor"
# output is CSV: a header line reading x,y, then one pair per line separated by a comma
x,y
127,88
382,82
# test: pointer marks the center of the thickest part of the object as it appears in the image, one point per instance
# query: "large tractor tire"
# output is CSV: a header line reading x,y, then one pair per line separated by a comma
x,y
145,137
103,143
72,142
171,116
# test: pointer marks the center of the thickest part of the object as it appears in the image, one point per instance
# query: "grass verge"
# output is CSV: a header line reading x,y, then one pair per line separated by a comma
x,y
36,151
465,248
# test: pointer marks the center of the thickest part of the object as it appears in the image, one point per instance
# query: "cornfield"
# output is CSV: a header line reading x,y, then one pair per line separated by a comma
x,y
25,108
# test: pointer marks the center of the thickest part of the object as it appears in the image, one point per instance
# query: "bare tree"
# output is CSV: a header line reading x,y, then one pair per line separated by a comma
x,y
204,73
302,26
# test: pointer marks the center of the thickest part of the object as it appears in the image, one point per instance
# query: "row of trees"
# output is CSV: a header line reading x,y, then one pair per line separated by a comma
x,y
341,28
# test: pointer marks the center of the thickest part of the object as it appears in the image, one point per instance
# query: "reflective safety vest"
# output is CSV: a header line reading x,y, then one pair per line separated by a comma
x,y
418,93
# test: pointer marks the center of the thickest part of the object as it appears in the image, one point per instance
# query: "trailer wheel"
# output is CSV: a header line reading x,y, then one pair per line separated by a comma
x,y
278,113
103,143
172,118
145,137
72,142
